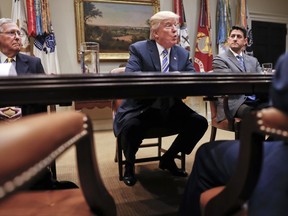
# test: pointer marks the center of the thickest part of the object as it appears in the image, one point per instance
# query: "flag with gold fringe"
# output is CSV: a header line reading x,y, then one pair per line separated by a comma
x,y
223,23
243,19
203,50
45,40
183,32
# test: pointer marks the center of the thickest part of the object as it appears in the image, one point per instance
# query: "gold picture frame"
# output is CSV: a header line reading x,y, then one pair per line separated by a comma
x,y
114,24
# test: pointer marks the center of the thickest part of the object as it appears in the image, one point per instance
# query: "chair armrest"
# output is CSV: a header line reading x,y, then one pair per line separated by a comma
x,y
94,190
229,117
30,144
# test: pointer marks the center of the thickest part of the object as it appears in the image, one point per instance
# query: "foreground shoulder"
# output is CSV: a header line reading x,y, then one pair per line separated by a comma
x,y
28,57
140,43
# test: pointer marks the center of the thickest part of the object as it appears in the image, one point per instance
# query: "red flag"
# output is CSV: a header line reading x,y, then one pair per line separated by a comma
x,y
178,10
203,50
31,18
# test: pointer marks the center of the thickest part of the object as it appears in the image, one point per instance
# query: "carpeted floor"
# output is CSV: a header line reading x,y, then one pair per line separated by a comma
x,y
155,193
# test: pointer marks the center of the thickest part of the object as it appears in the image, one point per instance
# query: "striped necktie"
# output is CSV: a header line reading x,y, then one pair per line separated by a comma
x,y
165,62
241,62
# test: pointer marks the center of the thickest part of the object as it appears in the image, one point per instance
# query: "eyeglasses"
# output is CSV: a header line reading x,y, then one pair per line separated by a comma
x,y
171,26
13,33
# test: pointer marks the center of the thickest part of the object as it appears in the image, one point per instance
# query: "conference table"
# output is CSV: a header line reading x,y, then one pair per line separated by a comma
x,y
58,89
64,89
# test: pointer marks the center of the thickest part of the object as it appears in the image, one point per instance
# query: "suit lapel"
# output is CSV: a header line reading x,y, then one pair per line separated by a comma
x,y
173,60
154,55
234,60
247,62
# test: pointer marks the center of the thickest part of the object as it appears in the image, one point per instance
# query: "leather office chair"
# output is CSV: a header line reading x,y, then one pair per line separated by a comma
x,y
229,124
229,199
152,133
29,145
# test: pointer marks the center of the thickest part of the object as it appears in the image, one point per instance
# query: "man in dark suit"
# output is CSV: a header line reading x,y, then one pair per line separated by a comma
x,y
135,116
10,46
215,163
234,60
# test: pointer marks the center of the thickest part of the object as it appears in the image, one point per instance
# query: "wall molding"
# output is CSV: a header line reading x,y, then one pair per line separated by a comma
x,y
268,17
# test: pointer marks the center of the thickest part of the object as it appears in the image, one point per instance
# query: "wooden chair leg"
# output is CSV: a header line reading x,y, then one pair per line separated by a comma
x,y
120,160
53,169
183,161
159,146
116,153
237,131
213,133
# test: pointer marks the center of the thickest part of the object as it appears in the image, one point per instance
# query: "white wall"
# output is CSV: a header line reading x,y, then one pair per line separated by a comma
x,y
63,20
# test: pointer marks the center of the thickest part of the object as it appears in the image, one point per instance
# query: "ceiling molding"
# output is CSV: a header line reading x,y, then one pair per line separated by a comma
x,y
268,17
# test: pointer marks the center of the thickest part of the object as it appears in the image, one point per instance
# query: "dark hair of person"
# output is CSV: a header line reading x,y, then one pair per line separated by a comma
x,y
241,28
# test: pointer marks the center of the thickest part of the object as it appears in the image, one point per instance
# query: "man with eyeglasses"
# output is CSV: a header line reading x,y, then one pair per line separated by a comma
x,y
10,45
160,54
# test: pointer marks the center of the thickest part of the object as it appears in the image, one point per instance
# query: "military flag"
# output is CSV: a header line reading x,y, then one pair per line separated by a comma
x,y
45,40
243,19
183,31
203,50
224,24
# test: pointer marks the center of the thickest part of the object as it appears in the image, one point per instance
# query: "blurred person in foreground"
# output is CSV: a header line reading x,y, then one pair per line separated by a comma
x,y
160,54
215,163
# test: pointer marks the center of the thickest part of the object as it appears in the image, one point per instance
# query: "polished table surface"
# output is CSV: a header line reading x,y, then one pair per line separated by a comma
x,y
55,89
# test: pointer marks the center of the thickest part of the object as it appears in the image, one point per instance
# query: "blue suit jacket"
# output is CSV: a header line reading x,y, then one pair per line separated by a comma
x,y
144,57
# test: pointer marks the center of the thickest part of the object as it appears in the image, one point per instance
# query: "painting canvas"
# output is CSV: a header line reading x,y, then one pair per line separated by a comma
x,y
113,24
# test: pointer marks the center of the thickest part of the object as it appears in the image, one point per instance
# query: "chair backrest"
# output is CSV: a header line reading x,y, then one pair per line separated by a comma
x,y
268,121
228,123
30,144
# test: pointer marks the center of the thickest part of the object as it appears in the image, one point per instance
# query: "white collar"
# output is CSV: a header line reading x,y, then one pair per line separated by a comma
x,y
236,54
3,57
160,49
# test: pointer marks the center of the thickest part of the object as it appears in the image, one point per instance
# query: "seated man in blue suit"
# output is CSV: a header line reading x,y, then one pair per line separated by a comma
x,y
216,161
159,54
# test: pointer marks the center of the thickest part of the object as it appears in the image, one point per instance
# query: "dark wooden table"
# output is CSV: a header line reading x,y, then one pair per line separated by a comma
x,y
57,89
63,89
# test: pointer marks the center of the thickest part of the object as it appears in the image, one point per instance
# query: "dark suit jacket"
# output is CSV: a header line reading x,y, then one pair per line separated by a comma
x,y
144,57
228,63
26,65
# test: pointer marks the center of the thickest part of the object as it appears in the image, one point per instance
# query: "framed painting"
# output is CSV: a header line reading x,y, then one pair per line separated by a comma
x,y
114,24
